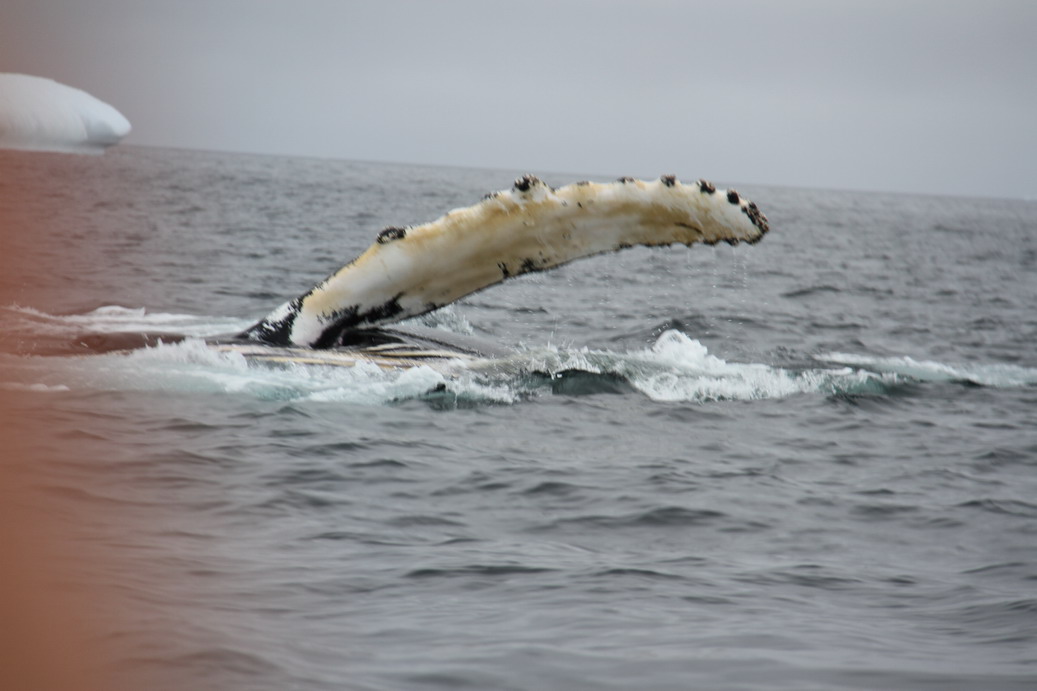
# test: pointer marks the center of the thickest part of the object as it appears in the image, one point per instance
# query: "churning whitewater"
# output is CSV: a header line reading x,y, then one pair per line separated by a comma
x,y
675,368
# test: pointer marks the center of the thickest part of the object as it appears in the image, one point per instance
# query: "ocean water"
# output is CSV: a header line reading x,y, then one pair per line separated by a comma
x,y
807,464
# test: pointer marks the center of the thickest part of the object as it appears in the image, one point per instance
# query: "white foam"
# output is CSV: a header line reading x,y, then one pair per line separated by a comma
x,y
117,319
368,384
680,368
677,368
40,114
999,375
191,366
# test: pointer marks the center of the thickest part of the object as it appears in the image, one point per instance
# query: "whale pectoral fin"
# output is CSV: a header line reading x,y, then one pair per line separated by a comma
x,y
531,227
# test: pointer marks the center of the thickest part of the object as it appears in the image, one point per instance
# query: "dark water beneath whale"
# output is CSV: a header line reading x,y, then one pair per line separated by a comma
x,y
808,464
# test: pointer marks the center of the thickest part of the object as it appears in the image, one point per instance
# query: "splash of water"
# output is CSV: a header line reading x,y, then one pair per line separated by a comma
x,y
676,368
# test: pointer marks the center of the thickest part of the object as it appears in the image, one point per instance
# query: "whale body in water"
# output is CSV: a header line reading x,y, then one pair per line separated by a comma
x,y
410,271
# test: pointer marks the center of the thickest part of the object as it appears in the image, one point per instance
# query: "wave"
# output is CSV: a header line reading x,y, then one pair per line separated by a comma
x,y
115,319
675,368
995,375
678,368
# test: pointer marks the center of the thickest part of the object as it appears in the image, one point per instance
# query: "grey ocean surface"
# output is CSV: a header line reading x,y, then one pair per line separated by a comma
x,y
808,464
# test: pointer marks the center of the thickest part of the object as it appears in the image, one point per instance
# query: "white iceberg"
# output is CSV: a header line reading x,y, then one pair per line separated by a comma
x,y
40,114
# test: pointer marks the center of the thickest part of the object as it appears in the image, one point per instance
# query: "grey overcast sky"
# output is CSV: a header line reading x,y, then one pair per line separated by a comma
x,y
934,96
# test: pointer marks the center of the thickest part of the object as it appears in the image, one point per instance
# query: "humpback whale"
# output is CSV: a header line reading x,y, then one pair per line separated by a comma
x,y
351,316
410,271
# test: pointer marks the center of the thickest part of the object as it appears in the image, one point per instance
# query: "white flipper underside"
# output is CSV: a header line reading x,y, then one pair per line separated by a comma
x,y
531,227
